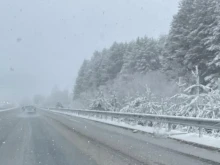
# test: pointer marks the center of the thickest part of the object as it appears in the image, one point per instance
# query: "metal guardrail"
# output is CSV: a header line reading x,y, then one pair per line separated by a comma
x,y
188,121
7,109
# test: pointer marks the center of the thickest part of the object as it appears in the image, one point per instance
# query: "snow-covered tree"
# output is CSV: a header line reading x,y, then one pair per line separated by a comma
x,y
193,40
81,81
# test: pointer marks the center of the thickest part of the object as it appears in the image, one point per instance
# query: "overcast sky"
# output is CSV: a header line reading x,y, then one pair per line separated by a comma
x,y
44,42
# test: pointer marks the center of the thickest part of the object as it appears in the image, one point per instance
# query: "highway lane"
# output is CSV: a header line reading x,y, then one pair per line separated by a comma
x,y
29,139
145,148
50,139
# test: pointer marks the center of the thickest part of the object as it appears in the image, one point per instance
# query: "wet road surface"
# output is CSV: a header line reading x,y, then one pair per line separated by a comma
x,y
51,139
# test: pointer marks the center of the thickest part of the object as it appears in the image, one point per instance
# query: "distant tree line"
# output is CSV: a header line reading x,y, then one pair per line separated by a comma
x,y
121,59
56,97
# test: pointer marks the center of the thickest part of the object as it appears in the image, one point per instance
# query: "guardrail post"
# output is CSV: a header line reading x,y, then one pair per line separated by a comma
x,y
169,127
118,118
200,132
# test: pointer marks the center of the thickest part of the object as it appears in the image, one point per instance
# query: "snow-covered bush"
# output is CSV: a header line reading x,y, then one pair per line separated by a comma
x,y
103,103
131,94
204,105
143,104
196,100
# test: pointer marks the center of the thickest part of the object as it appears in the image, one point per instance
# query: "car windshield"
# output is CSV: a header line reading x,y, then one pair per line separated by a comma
x,y
109,82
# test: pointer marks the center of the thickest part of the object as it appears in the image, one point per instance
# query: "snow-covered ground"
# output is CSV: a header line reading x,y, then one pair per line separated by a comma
x,y
204,140
174,134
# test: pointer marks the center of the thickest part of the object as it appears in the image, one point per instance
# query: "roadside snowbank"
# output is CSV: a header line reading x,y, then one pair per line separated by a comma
x,y
204,140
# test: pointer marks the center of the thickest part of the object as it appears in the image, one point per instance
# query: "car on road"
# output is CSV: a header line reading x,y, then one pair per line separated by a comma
x,y
59,105
29,109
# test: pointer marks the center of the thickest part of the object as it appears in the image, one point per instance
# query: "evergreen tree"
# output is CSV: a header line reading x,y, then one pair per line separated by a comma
x,y
178,43
115,59
193,40
81,84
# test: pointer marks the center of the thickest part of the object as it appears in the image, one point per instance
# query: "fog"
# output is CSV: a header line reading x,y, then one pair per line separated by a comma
x,y
44,42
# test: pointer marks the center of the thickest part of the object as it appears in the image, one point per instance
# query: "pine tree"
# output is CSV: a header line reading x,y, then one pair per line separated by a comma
x,y
178,43
198,53
81,83
95,69
212,44
193,40
128,62
141,56
161,44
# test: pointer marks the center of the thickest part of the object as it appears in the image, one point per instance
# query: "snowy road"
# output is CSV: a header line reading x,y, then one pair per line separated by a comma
x,y
50,139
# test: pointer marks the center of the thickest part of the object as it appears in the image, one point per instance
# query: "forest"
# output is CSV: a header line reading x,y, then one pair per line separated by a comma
x,y
175,74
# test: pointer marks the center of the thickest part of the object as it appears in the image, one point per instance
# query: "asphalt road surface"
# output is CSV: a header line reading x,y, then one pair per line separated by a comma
x,y
51,139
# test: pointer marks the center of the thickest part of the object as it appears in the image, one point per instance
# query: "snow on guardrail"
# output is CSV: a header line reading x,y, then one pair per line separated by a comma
x,y
8,109
187,121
